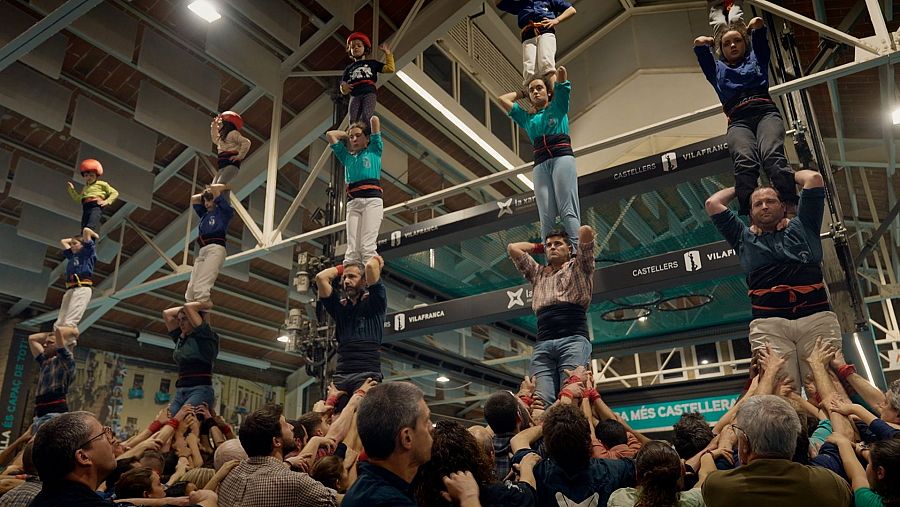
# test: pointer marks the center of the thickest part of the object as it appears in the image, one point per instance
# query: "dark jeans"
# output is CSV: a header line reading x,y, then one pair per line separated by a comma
x,y
350,382
754,142
91,212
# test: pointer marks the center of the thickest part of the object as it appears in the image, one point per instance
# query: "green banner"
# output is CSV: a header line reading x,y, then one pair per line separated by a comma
x,y
661,416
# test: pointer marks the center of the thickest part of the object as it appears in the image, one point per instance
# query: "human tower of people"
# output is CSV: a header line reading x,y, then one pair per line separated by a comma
x,y
555,442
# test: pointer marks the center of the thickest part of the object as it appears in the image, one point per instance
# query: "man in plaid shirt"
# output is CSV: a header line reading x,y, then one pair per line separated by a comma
x,y
264,479
57,373
562,293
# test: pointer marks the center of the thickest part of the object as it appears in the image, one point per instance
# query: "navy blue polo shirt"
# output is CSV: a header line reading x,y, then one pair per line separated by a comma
x,y
358,329
377,486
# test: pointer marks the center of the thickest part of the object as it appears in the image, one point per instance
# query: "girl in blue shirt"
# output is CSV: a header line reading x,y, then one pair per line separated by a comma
x,y
555,177
756,132
362,172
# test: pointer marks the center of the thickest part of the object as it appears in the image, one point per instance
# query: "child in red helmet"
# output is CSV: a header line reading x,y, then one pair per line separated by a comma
x,y
231,145
360,76
94,196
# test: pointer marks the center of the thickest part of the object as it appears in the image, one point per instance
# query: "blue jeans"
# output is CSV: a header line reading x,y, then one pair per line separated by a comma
x,y
37,422
549,360
556,192
195,396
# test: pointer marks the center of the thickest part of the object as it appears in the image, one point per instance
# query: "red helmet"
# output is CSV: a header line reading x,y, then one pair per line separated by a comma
x,y
361,37
233,118
90,165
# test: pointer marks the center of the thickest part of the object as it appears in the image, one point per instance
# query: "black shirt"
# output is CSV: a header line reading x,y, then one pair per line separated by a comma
x,y
194,354
358,329
68,494
377,486
361,75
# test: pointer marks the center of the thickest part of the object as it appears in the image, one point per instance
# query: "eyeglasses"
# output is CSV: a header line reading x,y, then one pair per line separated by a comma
x,y
737,428
107,431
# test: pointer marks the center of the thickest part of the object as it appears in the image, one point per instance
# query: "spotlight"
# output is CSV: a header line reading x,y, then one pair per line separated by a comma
x,y
284,338
642,319
442,379
895,116
705,361
205,9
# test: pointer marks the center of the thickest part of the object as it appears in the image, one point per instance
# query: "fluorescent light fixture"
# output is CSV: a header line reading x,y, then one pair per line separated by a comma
x,y
205,9
642,319
705,361
455,120
168,343
284,338
442,379
431,257
862,355
895,116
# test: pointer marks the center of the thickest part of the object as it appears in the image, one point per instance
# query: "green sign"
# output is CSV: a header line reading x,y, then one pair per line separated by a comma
x,y
661,416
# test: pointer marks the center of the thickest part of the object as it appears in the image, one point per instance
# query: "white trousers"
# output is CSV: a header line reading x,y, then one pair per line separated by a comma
x,y
538,57
207,264
364,215
795,339
74,303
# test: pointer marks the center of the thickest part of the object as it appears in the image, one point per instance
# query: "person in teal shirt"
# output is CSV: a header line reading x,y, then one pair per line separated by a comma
x,y
555,176
361,157
878,484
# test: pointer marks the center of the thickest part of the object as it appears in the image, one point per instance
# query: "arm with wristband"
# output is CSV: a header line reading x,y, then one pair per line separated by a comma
x,y
341,426
848,375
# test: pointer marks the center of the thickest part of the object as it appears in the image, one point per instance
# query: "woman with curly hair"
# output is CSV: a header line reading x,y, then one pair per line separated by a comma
x,y
454,449
660,479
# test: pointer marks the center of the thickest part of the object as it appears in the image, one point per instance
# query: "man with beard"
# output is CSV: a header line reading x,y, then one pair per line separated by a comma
x,y
782,260
263,479
359,320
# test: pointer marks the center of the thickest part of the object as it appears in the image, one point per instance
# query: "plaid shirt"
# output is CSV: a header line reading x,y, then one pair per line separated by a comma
x,y
56,373
572,283
263,481
22,494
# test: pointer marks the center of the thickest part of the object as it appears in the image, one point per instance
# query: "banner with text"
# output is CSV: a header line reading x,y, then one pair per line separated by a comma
x,y
662,416
16,386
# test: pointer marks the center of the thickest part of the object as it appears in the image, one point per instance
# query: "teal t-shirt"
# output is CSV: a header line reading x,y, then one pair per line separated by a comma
x,y
553,119
362,165
865,497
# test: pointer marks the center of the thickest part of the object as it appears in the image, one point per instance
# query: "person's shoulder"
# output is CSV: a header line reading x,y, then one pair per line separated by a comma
x,y
622,497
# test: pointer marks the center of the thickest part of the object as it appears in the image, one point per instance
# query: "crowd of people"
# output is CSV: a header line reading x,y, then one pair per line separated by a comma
x,y
806,430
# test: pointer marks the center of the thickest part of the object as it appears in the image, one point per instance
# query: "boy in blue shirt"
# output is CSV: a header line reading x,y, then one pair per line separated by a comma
x,y
362,172
80,254
215,214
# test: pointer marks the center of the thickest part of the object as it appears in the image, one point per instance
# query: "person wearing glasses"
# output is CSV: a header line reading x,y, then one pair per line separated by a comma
x,y
783,265
73,454
766,427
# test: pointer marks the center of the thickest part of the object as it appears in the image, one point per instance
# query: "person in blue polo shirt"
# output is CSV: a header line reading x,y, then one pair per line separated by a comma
x,y
784,270
359,320
538,19
81,256
215,214
362,172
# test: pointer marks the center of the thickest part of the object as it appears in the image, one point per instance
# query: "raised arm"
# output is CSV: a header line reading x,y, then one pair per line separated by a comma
x,y
524,438
855,471
36,343
170,318
508,99
335,136
718,202
375,125
389,64
871,394
516,250
89,235
809,179
562,75
192,311
373,270
214,130
66,243
323,281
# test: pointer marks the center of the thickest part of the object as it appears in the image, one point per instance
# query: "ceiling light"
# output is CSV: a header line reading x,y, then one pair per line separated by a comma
x,y
284,338
205,9
642,319
859,348
705,361
442,379
896,116
430,99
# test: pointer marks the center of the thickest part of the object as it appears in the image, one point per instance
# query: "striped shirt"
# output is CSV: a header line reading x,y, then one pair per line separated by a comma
x,y
263,481
572,283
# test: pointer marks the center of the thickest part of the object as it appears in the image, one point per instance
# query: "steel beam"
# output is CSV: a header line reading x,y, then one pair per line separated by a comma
x,y
814,25
41,31
878,233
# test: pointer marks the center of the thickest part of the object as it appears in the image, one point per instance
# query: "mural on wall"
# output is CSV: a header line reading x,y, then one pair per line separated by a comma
x,y
128,393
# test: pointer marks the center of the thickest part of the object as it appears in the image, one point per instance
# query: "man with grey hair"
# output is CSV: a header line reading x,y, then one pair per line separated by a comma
x,y
394,425
359,321
73,454
767,428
